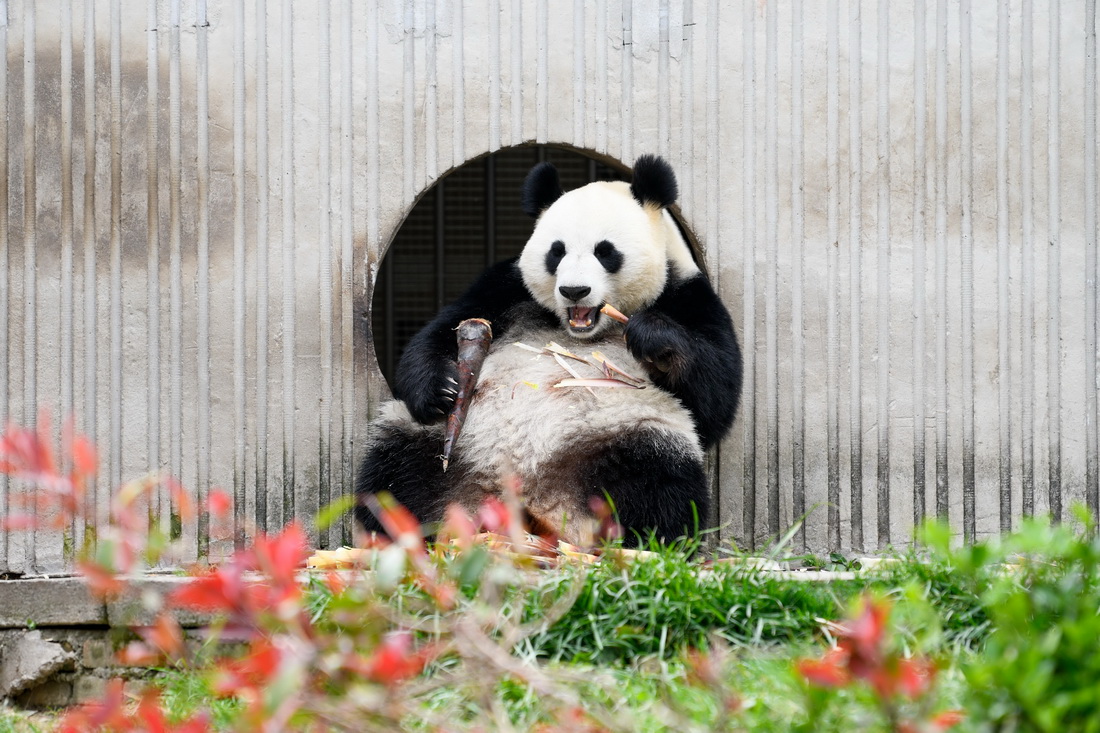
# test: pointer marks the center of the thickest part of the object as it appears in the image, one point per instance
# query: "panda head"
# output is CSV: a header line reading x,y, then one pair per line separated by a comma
x,y
607,242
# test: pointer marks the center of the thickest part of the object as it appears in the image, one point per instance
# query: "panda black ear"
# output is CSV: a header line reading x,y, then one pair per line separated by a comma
x,y
654,182
540,189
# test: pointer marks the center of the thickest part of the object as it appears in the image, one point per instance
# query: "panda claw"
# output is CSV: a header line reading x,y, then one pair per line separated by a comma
x,y
449,391
452,381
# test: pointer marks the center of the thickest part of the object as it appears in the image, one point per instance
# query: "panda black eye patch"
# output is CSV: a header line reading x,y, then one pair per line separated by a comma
x,y
608,256
553,257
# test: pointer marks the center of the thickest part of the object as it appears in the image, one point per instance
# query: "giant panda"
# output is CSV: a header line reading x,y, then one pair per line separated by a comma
x,y
604,243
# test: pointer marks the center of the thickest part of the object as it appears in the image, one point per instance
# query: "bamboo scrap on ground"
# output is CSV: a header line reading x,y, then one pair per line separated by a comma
x,y
547,553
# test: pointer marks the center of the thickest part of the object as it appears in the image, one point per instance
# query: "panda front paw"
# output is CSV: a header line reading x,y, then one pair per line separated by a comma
x,y
431,395
659,343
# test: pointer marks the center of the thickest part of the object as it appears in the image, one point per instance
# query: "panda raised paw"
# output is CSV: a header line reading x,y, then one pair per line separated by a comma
x,y
659,343
430,396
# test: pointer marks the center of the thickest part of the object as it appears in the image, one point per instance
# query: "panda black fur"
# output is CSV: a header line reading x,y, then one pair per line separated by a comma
x,y
607,242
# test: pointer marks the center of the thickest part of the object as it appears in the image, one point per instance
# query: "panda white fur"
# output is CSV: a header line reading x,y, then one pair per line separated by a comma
x,y
607,242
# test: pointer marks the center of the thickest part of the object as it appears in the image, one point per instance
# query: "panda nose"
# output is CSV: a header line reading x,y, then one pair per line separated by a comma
x,y
574,292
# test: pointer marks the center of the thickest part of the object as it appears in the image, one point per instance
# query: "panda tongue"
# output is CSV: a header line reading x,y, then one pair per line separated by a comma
x,y
580,317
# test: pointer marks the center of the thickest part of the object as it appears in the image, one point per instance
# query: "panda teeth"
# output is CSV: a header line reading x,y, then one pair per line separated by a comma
x,y
580,317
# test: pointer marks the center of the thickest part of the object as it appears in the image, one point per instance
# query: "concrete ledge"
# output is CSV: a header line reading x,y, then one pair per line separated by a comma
x,y
138,605
26,603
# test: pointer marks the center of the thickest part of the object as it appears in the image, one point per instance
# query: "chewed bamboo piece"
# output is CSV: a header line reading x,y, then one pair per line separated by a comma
x,y
598,382
610,370
556,348
474,338
611,312
564,365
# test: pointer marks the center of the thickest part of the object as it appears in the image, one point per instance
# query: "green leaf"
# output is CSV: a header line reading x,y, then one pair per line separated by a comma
x,y
334,510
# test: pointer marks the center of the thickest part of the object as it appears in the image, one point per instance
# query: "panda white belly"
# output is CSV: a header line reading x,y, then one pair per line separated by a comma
x,y
520,427
519,420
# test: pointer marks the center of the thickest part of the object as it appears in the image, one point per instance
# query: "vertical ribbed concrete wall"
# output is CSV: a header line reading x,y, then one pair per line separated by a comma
x,y
897,202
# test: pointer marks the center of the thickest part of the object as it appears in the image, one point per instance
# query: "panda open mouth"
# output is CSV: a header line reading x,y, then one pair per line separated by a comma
x,y
582,318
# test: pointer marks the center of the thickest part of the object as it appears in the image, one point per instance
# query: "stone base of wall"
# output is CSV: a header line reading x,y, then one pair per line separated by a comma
x,y
59,645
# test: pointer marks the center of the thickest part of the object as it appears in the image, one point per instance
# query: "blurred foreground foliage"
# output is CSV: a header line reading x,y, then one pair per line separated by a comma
x,y
489,628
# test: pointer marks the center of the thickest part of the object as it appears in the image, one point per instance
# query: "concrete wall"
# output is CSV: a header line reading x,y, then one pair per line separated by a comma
x,y
900,212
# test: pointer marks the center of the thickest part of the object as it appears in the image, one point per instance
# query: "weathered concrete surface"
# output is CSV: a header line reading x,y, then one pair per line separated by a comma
x,y
143,600
615,92
90,659
49,602
60,602
29,661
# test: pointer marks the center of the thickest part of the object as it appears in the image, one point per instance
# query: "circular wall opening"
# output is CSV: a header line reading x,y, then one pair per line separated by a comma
x,y
467,221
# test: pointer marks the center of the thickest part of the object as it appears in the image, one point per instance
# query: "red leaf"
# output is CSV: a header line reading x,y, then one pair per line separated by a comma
x,y
185,505
218,591
219,503
457,526
701,667
252,671
148,710
18,523
165,635
280,557
151,714
948,719
26,451
867,630
102,581
829,671
393,660
109,712
492,515
85,460
139,654
398,521
915,676
335,582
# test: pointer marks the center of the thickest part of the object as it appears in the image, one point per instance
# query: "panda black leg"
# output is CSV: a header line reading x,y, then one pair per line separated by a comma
x,y
405,463
654,487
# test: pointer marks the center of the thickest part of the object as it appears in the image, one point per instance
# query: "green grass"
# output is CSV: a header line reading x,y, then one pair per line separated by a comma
x,y
186,692
655,695
20,721
660,606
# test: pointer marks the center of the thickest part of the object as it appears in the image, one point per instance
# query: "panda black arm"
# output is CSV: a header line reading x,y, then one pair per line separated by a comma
x,y
687,343
429,358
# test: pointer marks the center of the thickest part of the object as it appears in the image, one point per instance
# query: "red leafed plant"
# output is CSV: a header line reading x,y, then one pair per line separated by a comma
x,y
54,498
368,663
292,672
112,713
864,653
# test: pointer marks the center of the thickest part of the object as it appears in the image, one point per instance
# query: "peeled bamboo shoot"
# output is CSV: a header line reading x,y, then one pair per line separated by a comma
x,y
474,337
611,312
